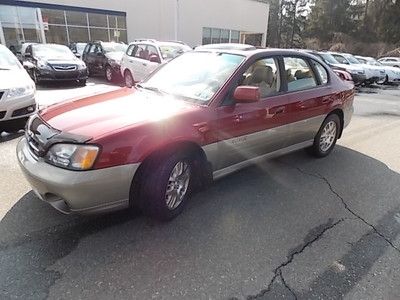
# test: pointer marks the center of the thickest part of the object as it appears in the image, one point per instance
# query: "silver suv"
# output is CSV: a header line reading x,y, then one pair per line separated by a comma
x,y
143,56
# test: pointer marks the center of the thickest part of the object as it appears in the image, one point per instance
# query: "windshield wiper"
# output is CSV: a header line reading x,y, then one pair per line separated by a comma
x,y
150,88
4,69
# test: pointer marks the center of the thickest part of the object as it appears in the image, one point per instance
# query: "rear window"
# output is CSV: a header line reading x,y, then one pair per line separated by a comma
x,y
299,74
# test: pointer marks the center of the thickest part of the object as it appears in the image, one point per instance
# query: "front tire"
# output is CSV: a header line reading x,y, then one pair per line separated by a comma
x,y
327,136
165,185
109,74
129,81
82,82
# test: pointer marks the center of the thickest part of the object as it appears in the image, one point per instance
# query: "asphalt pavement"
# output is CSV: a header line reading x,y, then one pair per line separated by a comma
x,y
293,227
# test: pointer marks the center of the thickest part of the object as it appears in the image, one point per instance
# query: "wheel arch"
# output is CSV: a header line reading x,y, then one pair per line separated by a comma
x,y
340,114
202,166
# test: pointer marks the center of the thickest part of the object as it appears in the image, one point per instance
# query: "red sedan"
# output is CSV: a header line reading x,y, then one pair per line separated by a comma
x,y
205,114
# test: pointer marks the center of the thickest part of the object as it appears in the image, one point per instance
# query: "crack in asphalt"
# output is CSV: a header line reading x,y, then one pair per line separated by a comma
x,y
278,270
346,206
287,285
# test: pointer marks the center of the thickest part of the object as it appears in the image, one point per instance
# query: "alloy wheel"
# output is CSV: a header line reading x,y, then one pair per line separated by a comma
x,y
178,184
109,75
328,136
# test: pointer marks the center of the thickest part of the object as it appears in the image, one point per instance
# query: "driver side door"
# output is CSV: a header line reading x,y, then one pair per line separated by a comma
x,y
250,130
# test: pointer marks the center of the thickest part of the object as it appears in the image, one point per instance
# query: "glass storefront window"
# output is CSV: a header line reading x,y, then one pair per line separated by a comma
x,y
121,22
215,35
53,16
235,35
112,21
57,35
78,34
224,36
99,34
76,18
98,20
123,36
206,36
28,24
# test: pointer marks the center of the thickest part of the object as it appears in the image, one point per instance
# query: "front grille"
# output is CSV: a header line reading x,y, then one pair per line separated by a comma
x,y
64,67
37,135
2,114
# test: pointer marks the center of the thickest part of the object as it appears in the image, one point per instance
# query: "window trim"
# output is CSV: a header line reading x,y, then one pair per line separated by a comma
x,y
316,72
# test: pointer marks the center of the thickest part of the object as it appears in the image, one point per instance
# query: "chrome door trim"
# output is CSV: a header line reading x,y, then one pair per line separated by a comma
x,y
236,167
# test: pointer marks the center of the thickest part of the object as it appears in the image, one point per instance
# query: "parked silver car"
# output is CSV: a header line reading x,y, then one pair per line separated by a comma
x,y
392,73
17,93
390,61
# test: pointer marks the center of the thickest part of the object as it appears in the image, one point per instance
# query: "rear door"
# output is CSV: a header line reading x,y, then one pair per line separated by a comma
x,y
138,61
249,130
310,96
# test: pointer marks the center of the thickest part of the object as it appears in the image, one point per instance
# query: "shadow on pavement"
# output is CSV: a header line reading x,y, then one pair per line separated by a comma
x,y
241,227
73,85
5,137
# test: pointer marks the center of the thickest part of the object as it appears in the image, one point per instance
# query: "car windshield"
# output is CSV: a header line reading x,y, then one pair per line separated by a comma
x,y
328,58
374,62
52,51
196,76
8,61
352,59
170,51
114,47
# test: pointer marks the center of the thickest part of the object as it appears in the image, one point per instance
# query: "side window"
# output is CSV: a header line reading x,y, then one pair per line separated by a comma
x,y
264,74
28,50
130,49
153,54
299,74
93,48
87,47
340,59
322,72
141,52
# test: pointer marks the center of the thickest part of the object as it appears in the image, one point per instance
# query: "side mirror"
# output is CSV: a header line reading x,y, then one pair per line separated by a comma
x,y
99,53
246,94
28,65
77,55
27,55
155,58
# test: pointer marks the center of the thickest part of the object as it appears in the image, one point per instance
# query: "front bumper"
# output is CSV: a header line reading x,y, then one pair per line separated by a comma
x,y
17,108
358,78
83,192
54,75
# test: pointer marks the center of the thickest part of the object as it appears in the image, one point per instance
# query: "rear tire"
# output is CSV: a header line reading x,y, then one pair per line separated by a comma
x,y
327,136
163,177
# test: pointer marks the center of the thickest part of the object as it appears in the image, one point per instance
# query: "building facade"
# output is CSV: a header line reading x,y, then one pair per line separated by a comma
x,y
194,22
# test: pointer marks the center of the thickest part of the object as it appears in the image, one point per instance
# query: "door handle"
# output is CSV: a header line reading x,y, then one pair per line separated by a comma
x,y
144,64
131,61
327,99
237,119
279,110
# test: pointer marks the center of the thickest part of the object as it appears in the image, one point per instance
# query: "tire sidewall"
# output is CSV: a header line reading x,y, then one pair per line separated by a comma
x,y
316,147
128,74
111,74
154,185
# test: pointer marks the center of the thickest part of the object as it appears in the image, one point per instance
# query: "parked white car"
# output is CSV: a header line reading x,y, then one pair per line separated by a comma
x,y
390,61
144,56
392,73
17,93
372,73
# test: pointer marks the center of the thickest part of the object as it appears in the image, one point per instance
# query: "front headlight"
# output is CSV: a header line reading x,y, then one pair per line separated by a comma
x,y
71,156
81,65
20,91
43,65
114,62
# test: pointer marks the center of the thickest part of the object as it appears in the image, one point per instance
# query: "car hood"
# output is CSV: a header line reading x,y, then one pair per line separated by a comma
x,y
59,61
349,67
117,56
373,68
14,78
104,113
391,69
